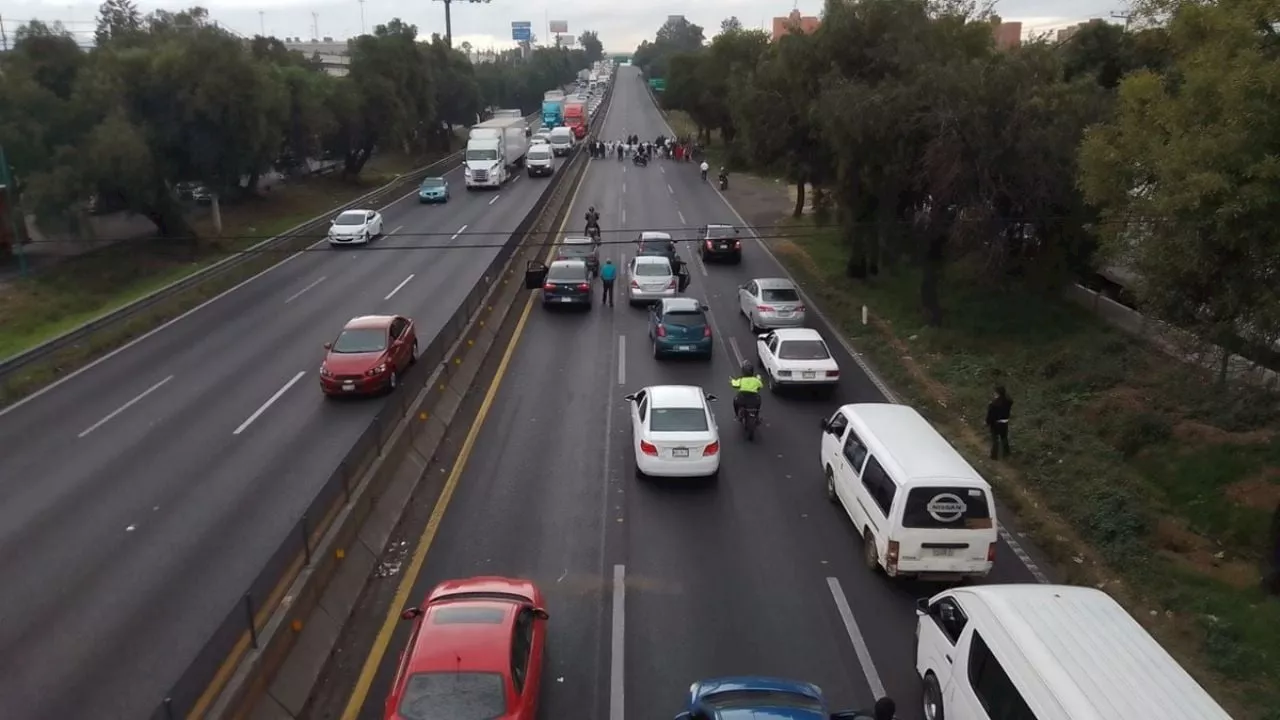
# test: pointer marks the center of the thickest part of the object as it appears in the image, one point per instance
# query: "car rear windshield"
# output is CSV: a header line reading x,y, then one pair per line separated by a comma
x,y
941,507
660,247
678,420
361,341
755,699
576,251
653,269
685,318
566,273
719,233
803,350
350,219
780,295
453,696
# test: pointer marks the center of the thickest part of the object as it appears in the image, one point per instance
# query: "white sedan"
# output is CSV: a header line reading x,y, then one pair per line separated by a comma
x,y
797,357
355,227
674,432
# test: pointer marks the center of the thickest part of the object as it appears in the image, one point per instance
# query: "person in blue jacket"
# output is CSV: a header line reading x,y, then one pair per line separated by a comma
x,y
608,274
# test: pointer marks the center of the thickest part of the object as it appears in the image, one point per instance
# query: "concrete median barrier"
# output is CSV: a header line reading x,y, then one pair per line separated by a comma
x,y
275,675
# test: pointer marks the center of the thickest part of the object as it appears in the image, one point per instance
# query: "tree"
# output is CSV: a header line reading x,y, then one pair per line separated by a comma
x,y
677,35
592,48
730,24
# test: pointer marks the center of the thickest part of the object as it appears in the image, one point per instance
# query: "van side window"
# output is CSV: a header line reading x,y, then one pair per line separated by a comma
x,y
949,617
854,451
992,685
879,485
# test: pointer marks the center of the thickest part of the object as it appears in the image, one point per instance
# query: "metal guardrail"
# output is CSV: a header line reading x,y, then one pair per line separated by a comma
x,y
240,630
307,231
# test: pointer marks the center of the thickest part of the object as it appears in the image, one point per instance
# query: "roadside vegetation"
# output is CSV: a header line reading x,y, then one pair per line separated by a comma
x,y
215,140
956,188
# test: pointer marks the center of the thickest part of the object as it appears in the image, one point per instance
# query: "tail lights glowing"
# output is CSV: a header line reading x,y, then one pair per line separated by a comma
x,y
991,553
584,287
648,448
662,331
549,287
833,373
764,308
635,284
711,449
671,285
706,331
891,558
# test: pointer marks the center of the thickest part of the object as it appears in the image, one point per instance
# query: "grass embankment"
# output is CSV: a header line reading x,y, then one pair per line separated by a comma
x,y
1130,469
77,289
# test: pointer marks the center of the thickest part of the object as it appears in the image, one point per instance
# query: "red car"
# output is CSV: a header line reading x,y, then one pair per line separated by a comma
x,y
475,653
369,355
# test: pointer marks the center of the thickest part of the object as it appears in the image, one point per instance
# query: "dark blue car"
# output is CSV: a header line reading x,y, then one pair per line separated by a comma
x,y
760,698
679,326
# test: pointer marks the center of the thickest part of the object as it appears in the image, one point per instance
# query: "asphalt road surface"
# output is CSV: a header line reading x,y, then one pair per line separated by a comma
x,y
140,497
652,585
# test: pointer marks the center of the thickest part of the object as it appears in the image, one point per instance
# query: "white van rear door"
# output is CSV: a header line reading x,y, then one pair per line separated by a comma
x,y
947,528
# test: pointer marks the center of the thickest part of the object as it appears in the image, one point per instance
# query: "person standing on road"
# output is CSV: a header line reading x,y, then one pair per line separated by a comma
x,y
998,411
608,274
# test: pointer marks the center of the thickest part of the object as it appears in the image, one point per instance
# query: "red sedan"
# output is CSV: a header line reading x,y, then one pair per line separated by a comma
x,y
475,653
369,355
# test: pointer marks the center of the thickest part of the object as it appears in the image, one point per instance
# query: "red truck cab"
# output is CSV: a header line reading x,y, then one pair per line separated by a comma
x,y
575,116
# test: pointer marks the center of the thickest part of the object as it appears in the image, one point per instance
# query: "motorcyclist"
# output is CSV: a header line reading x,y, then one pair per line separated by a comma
x,y
724,176
593,220
704,167
748,385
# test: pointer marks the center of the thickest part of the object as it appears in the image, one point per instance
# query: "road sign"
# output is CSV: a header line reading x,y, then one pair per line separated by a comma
x,y
521,31
568,40
558,26
658,84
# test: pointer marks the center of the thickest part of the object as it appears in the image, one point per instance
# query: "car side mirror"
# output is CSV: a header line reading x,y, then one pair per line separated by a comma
x,y
712,398
541,614
411,613
328,346
704,308
629,398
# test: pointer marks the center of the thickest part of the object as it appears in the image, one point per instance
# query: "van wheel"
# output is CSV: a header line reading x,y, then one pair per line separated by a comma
x,y
931,698
869,554
831,487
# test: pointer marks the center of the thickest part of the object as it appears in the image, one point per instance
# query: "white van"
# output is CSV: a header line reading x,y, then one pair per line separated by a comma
x,y
561,140
921,509
1046,652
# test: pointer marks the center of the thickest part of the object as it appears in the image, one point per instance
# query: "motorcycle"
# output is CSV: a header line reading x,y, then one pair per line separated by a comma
x,y
749,417
640,160
593,232
724,183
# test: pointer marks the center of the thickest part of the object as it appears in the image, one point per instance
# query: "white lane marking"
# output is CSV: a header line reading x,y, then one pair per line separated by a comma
x,y
662,169
495,199
624,216
617,646
673,192
697,260
460,231
393,232
402,284
137,399
622,359
270,401
855,636
624,187
681,216
298,294
516,179
737,352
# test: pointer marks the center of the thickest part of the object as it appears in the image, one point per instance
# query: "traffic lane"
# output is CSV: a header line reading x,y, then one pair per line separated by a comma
x,y
721,579
534,495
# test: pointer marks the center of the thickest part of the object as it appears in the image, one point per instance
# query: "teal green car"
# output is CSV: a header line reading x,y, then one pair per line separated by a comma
x,y
433,190
679,326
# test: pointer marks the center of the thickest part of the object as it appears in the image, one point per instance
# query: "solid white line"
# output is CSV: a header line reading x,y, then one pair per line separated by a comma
x,y
737,353
298,294
622,359
617,681
855,636
125,406
495,199
460,231
662,169
681,216
624,187
673,192
402,284
624,216
393,232
697,260
270,401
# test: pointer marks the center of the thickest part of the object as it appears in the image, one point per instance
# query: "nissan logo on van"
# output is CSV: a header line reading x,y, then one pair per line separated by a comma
x,y
946,507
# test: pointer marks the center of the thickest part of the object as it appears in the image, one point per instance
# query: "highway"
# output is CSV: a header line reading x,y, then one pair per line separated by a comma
x,y
653,585
141,496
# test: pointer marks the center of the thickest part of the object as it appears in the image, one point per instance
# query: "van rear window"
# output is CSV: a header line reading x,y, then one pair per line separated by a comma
x,y
953,508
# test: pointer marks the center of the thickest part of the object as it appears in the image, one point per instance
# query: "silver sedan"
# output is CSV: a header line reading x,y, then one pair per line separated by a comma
x,y
771,303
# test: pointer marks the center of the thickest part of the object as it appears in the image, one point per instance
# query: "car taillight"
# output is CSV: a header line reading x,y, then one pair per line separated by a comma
x,y
737,244
549,286
711,449
764,308
648,448
891,562
706,331
672,285
799,308
635,284
833,373
584,286
709,244
662,331
991,553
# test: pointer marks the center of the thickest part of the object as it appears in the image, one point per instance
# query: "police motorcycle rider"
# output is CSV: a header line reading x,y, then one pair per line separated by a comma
x,y
748,385
593,224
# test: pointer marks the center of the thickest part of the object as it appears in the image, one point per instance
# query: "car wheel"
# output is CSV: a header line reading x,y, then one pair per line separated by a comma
x,y
640,473
870,557
366,237
931,698
413,353
774,387
737,259
831,487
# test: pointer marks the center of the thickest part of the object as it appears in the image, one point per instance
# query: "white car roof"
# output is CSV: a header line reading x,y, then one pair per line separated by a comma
x,y
785,334
354,212
909,448
681,304
676,396
574,240
654,235
774,283
651,260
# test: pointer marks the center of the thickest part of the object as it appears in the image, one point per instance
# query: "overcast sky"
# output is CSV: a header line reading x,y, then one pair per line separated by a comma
x,y
621,25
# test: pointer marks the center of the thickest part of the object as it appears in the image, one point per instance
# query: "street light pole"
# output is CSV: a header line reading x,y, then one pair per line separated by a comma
x,y
11,207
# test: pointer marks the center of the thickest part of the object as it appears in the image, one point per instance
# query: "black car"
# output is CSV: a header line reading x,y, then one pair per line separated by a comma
x,y
564,282
720,242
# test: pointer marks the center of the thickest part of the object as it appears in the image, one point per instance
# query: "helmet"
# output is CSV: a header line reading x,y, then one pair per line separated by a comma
x,y
592,209
748,368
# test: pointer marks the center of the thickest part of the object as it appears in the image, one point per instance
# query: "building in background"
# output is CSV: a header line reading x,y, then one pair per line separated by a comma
x,y
795,22
1008,35
1067,33
333,55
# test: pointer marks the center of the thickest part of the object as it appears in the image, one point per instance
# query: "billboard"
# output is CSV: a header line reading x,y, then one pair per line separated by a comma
x,y
521,31
567,40
557,26
675,19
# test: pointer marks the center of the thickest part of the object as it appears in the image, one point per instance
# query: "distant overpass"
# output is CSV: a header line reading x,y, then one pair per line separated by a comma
x,y
619,56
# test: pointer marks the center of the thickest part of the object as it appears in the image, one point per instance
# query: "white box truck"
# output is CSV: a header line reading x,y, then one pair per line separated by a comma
x,y
507,113
509,138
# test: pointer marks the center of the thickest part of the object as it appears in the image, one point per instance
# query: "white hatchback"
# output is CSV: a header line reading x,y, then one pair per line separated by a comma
x,y
674,432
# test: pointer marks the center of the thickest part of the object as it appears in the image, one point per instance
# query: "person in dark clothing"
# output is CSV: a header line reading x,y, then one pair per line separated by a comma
x,y
884,709
998,411
1272,582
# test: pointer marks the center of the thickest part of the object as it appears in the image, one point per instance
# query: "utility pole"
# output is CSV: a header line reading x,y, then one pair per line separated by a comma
x,y
315,26
4,36
11,209
363,28
1126,16
262,23
448,23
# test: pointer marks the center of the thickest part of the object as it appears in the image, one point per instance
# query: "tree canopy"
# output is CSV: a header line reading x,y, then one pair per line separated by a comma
x,y
170,97
1152,149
